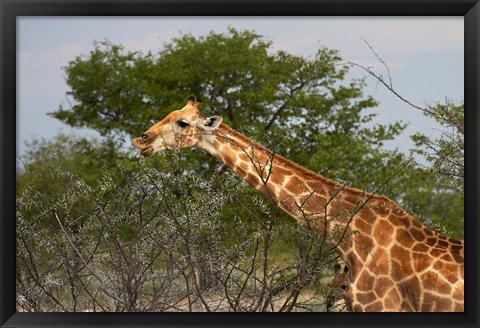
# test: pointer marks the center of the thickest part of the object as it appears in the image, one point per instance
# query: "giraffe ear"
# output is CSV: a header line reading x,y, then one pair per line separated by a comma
x,y
211,123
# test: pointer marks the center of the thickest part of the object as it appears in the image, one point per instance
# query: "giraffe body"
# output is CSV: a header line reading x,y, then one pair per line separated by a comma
x,y
395,263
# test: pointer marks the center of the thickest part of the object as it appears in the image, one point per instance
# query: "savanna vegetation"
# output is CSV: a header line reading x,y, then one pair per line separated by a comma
x,y
101,229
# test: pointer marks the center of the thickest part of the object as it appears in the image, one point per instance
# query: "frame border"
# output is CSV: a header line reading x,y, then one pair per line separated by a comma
x,y
10,9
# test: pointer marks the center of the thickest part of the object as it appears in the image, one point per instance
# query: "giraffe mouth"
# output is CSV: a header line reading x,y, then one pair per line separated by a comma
x,y
147,152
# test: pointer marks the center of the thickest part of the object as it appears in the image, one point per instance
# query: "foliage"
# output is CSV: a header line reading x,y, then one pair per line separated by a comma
x,y
436,194
447,152
298,106
423,194
99,229
446,157
137,246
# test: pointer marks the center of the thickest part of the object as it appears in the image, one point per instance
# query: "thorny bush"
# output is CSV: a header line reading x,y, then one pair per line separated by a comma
x,y
163,239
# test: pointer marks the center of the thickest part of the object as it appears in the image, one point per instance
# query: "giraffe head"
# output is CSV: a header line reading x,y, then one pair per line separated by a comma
x,y
180,129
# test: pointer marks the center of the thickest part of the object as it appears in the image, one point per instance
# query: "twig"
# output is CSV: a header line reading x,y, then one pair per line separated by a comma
x,y
381,61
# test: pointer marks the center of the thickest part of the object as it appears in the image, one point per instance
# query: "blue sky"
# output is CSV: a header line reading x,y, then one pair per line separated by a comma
x,y
424,54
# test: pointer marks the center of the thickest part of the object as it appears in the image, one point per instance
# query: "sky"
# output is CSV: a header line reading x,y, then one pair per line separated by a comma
x,y
424,55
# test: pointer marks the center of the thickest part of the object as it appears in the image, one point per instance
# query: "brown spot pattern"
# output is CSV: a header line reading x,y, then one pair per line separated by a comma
x,y
431,241
428,302
244,166
442,243
394,298
450,272
455,242
447,257
421,261
366,298
313,203
411,290
401,221
397,271
458,294
417,224
403,238
428,232
402,256
365,281
459,307
383,232
253,180
456,248
417,234
357,308
430,280
439,265
421,248
382,285
296,186
436,252
363,245
375,307
363,226
276,178
458,256
391,304
244,157
368,215
380,262
443,304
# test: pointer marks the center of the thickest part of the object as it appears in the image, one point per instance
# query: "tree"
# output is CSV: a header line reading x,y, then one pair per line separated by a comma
x,y
446,156
232,243
447,152
301,106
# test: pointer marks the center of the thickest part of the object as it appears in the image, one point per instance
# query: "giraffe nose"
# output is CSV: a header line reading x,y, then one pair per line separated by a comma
x,y
146,137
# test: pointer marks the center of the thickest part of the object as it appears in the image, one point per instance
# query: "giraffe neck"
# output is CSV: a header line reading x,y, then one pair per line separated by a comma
x,y
306,196
315,201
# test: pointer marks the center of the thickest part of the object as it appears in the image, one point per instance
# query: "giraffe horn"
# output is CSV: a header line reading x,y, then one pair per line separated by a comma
x,y
190,101
198,102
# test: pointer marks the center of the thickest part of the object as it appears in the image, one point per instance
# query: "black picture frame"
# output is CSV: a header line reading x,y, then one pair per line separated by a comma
x,y
10,10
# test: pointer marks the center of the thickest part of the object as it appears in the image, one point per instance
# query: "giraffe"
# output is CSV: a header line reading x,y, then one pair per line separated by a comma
x,y
339,285
395,263
335,299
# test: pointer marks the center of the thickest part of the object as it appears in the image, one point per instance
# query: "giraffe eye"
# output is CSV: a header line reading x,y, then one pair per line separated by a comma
x,y
182,124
